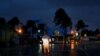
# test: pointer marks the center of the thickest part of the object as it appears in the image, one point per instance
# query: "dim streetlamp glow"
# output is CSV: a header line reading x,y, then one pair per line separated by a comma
x,y
85,35
72,32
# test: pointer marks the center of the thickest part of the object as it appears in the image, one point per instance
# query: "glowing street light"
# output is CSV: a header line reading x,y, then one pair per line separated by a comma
x,y
76,33
39,30
19,30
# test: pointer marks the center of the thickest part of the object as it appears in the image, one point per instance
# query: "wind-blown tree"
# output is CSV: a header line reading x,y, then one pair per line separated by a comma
x,y
62,19
2,22
13,22
32,24
2,28
11,25
80,26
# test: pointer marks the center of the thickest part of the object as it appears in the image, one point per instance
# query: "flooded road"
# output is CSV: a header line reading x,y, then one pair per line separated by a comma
x,y
90,49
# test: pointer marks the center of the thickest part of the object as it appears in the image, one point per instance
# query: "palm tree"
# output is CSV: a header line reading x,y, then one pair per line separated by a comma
x,y
62,19
80,26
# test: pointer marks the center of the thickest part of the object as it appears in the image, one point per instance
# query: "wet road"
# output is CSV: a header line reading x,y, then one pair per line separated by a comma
x,y
84,49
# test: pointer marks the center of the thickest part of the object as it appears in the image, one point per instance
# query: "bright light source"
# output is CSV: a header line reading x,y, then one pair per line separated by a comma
x,y
19,30
45,45
76,34
39,30
45,41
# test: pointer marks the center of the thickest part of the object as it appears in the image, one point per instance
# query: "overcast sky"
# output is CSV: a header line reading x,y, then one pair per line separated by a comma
x,y
44,10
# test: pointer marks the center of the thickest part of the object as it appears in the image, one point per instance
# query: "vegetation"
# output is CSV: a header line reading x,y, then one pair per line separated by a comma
x,y
62,19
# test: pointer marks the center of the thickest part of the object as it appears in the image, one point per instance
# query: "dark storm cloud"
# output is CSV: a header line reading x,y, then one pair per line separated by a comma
x,y
87,10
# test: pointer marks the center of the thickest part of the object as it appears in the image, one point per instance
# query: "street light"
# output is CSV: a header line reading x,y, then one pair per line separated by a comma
x,y
19,30
76,33
39,30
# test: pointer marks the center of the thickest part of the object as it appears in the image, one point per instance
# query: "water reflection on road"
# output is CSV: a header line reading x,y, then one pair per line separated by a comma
x,y
36,50
73,52
54,50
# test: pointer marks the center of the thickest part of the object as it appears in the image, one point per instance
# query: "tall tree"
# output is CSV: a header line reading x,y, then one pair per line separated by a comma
x,y
80,26
2,22
32,24
62,19
13,22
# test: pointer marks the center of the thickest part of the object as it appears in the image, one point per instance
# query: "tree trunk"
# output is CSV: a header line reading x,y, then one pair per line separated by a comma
x,y
65,33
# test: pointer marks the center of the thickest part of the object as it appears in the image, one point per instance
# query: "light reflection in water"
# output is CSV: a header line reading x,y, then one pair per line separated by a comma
x,y
73,52
72,44
52,46
40,48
